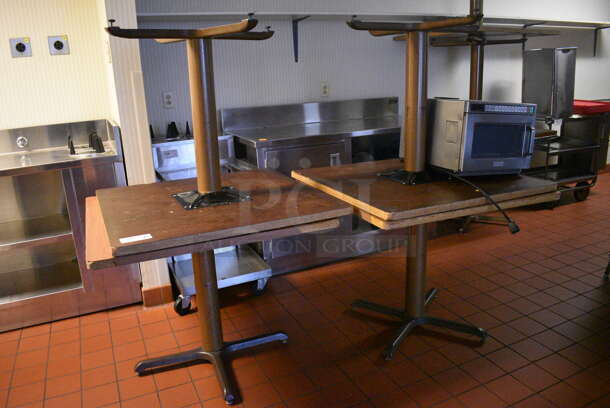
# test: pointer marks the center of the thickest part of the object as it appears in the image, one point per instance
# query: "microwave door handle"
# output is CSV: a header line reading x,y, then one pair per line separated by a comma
x,y
527,143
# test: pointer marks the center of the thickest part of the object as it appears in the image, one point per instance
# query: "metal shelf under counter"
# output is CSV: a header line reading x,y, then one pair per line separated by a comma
x,y
562,175
39,281
34,231
567,146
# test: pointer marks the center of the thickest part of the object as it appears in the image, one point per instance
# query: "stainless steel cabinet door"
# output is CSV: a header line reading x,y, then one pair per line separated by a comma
x,y
286,160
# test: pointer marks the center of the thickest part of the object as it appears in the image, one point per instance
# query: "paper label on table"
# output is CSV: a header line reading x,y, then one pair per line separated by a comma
x,y
135,238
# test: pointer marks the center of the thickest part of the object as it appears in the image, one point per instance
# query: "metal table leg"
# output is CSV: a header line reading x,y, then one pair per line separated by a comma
x,y
416,301
213,350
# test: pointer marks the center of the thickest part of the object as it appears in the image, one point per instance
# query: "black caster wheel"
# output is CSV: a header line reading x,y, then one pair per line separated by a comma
x,y
257,290
180,308
581,195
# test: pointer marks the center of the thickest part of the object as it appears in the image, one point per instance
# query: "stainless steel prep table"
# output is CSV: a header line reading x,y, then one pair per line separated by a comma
x,y
319,134
43,185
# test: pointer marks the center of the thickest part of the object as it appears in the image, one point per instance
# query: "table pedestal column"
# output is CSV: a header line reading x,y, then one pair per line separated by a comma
x,y
416,298
213,350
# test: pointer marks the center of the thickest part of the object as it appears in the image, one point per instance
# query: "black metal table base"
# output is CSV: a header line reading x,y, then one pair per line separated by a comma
x,y
410,322
217,358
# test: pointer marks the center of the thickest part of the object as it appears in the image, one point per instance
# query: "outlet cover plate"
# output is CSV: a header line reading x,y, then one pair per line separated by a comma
x,y
59,45
20,47
168,100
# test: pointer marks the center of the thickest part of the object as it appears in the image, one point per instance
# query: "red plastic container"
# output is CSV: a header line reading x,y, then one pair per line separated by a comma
x,y
584,107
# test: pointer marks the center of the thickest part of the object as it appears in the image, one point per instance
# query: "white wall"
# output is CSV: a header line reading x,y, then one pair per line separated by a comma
x,y
129,111
84,85
264,73
45,89
354,64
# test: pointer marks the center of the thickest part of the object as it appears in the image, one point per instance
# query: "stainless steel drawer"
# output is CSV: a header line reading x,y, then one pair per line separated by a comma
x,y
286,160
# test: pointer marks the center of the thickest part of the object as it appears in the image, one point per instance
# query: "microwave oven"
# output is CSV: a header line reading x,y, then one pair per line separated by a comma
x,y
471,137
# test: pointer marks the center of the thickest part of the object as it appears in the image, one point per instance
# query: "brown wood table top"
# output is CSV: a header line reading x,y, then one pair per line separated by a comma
x,y
146,218
383,200
98,252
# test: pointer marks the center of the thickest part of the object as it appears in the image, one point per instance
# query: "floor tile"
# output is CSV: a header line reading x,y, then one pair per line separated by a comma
x,y
96,359
100,396
535,377
73,400
179,396
552,340
31,358
456,381
531,349
541,298
24,376
482,369
25,394
481,397
370,385
62,385
147,401
507,359
565,396
33,343
427,392
559,366
60,368
509,389
99,376
136,386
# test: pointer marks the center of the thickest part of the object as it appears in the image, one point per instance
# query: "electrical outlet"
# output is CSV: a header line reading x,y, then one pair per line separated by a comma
x,y
324,89
168,100
20,47
58,45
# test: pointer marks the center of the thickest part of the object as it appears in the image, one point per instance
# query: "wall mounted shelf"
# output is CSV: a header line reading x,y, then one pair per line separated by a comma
x,y
501,22
215,15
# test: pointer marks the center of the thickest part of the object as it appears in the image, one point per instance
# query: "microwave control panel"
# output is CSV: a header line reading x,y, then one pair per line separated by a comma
x,y
501,108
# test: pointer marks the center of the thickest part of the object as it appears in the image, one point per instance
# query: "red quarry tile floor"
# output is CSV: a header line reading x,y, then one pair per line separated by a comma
x,y
539,293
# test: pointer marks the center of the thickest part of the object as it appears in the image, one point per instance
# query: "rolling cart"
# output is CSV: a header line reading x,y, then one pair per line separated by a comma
x,y
174,159
581,151
234,265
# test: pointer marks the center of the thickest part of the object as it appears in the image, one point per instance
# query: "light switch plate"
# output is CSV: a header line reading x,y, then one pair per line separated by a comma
x,y
20,47
58,45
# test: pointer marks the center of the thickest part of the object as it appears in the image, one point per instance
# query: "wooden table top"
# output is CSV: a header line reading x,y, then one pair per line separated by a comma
x,y
98,252
386,202
146,218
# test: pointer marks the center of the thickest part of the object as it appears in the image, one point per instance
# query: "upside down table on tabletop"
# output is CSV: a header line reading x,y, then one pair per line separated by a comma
x,y
388,204
144,222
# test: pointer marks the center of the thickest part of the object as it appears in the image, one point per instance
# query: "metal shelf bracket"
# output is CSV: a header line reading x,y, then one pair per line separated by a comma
x,y
295,35
596,38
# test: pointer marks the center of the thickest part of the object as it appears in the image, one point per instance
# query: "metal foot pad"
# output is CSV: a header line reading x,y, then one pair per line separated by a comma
x,y
409,325
190,200
374,307
217,358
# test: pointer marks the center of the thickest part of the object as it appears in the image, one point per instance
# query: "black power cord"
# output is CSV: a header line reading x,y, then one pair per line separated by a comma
x,y
512,225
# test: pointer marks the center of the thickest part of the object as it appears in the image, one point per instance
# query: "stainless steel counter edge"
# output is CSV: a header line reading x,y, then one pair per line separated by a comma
x,y
7,167
260,137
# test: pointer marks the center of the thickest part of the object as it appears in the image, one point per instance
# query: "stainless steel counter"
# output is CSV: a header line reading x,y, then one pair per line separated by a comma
x,y
323,132
42,148
51,159
43,187
317,134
